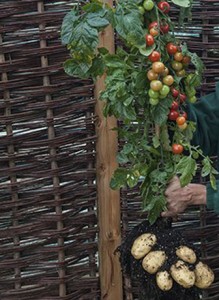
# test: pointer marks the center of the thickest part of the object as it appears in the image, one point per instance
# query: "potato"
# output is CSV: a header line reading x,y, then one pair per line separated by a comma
x,y
186,254
182,275
204,276
153,261
164,280
143,244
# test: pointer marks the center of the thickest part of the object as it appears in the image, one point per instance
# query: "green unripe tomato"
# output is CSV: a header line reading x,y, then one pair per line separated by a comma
x,y
148,5
195,155
189,77
162,96
193,99
177,66
153,101
141,10
191,91
153,94
165,90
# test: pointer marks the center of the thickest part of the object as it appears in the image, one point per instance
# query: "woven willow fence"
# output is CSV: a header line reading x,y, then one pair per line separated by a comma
x,y
48,223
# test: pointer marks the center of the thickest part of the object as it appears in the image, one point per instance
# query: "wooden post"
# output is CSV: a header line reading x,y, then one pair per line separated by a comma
x,y
108,200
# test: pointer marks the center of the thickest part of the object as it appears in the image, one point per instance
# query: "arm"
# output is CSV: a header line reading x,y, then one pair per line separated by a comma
x,y
206,115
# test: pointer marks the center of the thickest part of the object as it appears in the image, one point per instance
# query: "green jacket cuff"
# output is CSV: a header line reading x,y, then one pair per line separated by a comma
x,y
213,198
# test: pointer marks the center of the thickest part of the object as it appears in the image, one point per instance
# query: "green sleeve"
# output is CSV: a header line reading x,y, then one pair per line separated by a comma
x,y
206,115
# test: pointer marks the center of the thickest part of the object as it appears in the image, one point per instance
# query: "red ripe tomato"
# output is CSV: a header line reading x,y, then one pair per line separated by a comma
x,y
164,27
154,56
164,7
175,92
171,48
174,105
180,120
177,148
182,98
173,115
149,40
184,114
186,60
153,25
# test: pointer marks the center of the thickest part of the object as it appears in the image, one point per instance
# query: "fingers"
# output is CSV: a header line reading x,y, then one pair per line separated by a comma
x,y
169,214
173,185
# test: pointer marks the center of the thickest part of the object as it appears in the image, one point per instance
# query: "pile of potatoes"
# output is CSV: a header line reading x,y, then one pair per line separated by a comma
x,y
153,262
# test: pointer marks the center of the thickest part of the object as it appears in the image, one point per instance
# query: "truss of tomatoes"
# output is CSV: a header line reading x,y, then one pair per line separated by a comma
x,y
161,78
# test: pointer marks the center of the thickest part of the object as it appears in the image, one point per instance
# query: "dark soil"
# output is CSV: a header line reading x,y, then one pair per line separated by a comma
x,y
168,239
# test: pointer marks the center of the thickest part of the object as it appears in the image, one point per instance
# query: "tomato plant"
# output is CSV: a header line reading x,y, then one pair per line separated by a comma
x,y
143,89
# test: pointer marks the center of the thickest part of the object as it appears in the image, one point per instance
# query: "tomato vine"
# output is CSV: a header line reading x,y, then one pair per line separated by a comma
x,y
149,81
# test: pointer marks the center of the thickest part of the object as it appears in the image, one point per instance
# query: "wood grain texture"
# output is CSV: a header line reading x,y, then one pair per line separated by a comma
x,y
108,200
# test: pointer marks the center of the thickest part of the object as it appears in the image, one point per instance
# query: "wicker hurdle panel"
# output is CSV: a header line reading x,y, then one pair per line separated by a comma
x,y
48,225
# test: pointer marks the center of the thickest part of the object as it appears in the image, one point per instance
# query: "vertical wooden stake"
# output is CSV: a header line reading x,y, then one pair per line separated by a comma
x,y
108,200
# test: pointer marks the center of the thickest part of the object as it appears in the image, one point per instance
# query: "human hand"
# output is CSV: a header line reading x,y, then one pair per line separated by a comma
x,y
179,198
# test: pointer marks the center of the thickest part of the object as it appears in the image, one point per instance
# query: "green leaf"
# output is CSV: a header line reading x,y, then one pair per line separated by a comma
x,y
70,21
93,6
128,148
128,23
213,181
97,68
139,80
160,112
206,169
103,51
96,20
84,37
182,3
132,180
156,141
146,51
119,178
122,158
187,167
73,68
165,138
158,206
114,61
